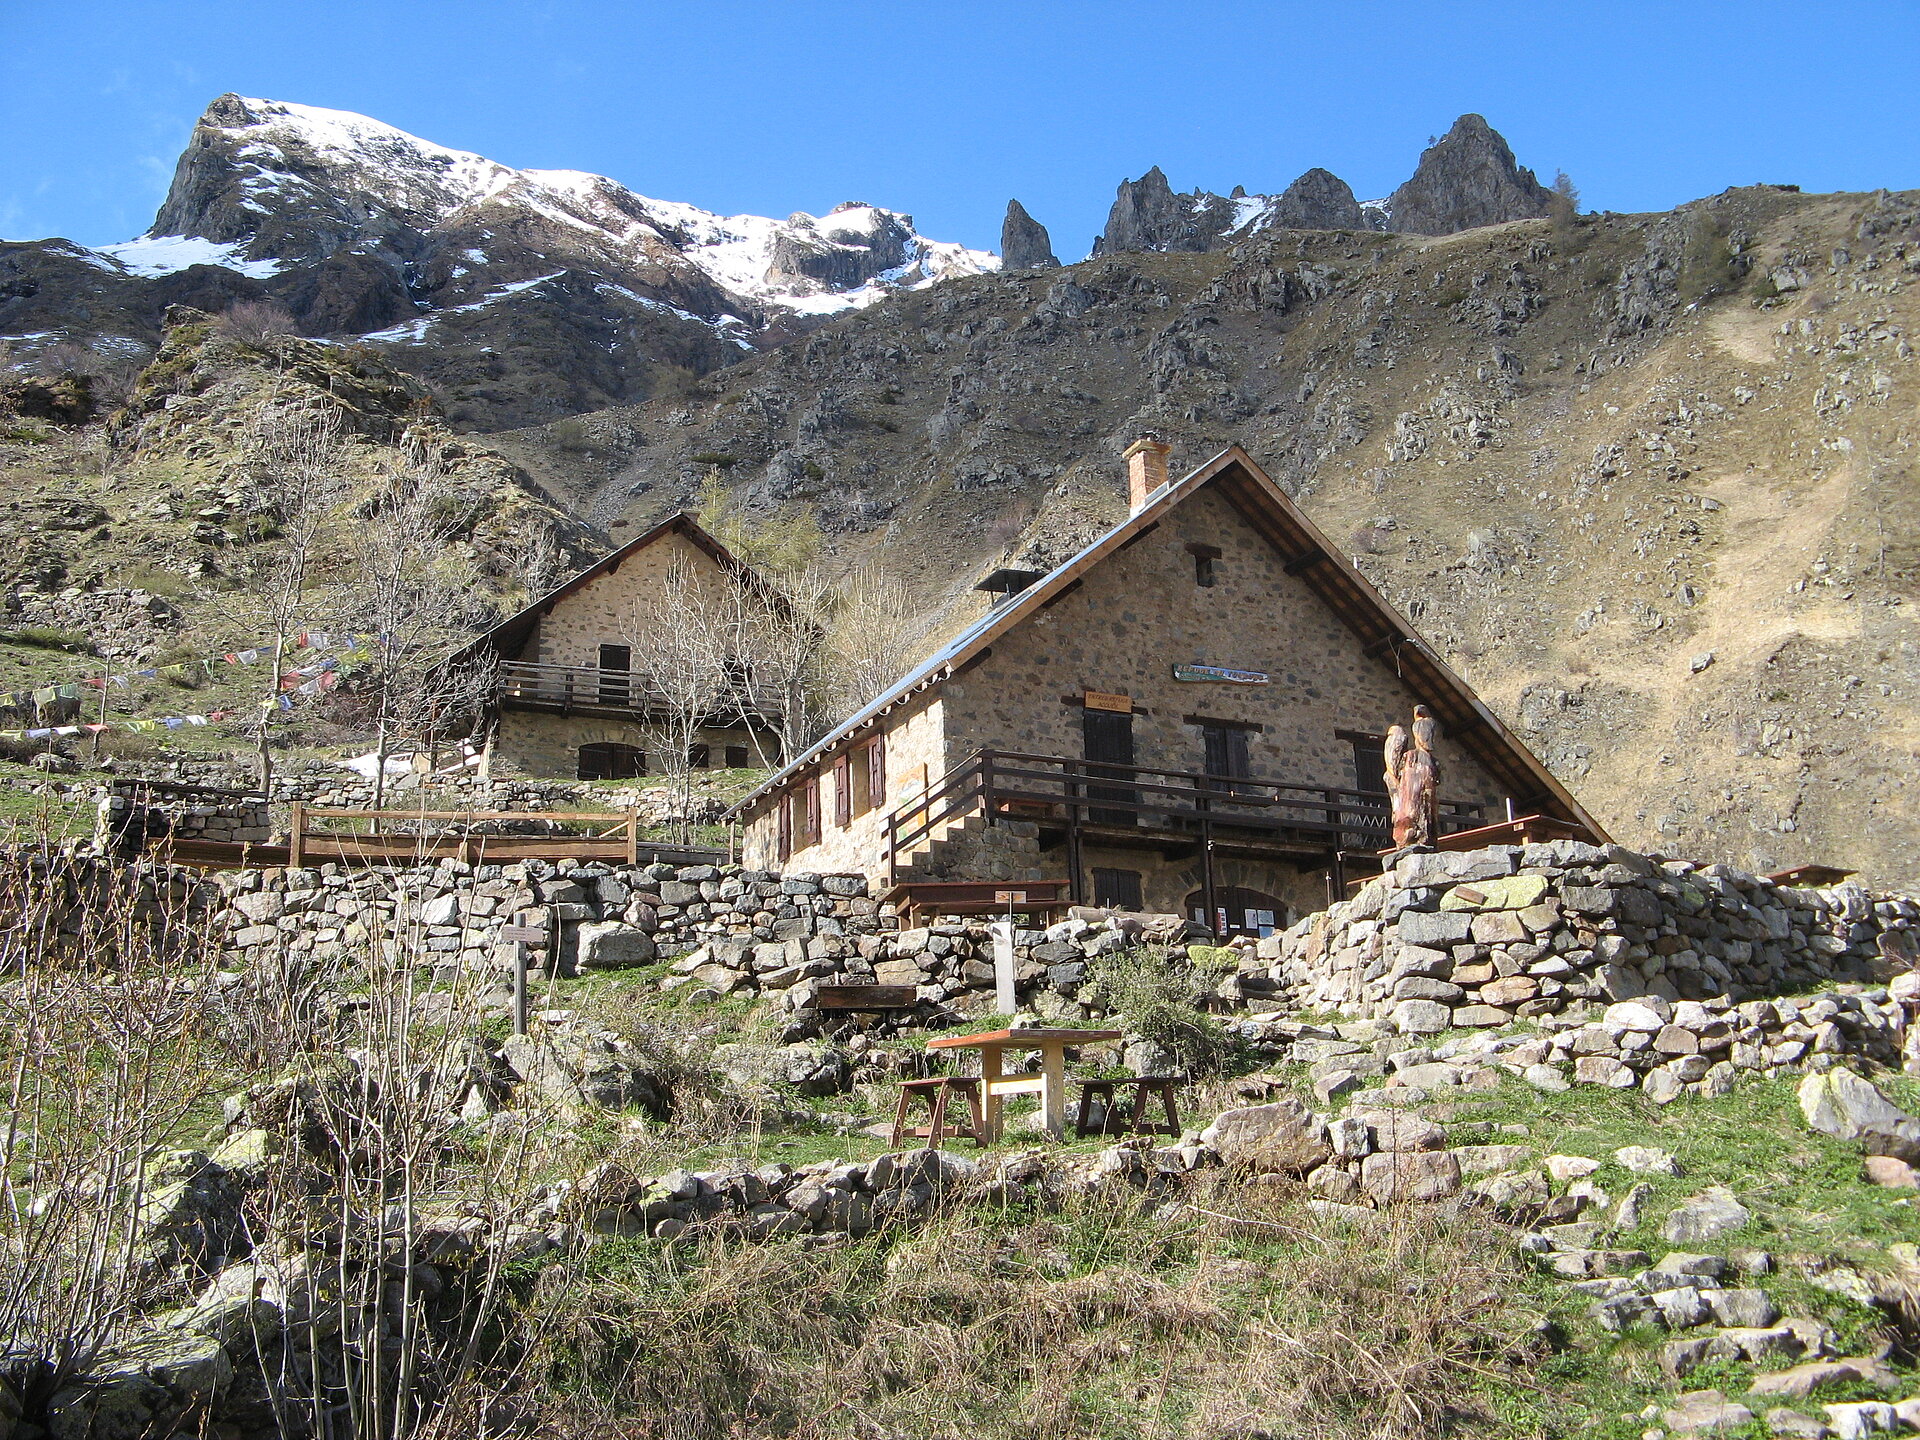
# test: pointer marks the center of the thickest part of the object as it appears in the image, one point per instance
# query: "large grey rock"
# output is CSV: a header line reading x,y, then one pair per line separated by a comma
x,y
1707,1216
1842,1104
1410,1175
1282,1138
570,1071
1024,242
1705,1411
1318,200
1434,929
611,945
1148,215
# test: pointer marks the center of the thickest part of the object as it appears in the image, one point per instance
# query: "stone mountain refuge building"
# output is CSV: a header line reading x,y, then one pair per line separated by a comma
x,y
1185,717
580,694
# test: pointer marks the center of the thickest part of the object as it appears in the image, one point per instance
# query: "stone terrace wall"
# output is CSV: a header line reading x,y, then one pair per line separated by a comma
x,y
727,931
1511,932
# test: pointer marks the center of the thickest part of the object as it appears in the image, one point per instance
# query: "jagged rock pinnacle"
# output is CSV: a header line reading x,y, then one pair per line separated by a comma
x,y
1024,242
1467,178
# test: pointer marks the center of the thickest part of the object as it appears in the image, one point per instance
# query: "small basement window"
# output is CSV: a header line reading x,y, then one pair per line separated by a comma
x,y
1117,889
737,757
607,760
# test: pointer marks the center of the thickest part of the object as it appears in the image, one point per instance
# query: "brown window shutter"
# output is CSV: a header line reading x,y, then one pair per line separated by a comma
x,y
877,771
783,825
843,791
810,822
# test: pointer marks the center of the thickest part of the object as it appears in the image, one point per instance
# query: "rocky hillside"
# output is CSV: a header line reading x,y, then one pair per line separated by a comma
x,y
163,494
1644,479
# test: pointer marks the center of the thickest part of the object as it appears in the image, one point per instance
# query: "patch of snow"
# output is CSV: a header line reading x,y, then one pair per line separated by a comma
x,y
1250,213
414,330
152,255
1379,207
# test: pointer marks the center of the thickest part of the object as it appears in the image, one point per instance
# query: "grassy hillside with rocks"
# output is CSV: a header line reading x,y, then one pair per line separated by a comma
x,y
245,1198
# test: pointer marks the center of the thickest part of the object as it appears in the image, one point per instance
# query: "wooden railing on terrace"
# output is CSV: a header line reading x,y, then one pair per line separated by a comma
x,y
574,687
1002,784
386,837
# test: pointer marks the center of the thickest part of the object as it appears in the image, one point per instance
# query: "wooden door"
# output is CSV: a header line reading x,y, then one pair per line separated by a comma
x,y
1106,738
616,680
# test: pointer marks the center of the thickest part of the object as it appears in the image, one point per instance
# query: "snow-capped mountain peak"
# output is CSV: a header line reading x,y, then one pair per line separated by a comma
x,y
269,181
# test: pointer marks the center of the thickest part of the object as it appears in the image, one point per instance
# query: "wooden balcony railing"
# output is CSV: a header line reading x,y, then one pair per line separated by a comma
x,y
581,687
1083,794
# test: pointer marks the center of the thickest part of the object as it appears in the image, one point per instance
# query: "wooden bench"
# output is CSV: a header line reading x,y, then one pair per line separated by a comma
x,y
1134,1121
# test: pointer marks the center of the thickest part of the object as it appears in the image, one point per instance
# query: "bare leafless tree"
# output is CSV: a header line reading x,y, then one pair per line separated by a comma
x,y
683,681
413,588
297,469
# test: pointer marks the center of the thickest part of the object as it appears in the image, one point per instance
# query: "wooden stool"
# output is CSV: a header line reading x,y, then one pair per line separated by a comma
x,y
936,1093
1135,1121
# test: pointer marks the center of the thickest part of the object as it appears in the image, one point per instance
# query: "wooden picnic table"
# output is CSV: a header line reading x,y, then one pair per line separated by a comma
x,y
1050,1084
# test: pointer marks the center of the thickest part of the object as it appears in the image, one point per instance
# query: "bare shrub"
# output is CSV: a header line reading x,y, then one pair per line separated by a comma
x,y
256,321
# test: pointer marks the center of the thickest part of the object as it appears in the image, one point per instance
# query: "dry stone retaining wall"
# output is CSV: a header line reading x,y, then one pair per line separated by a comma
x,y
727,931
1484,937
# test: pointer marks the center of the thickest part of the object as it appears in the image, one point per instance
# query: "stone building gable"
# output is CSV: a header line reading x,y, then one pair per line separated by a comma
x,y
1140,611
607,609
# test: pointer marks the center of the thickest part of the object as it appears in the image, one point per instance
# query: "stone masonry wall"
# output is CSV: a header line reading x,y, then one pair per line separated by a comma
x,y
727,931
1510,932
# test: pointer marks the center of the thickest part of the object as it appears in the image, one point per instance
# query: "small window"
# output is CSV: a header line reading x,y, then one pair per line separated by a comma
x,y
610,761
699,757
1204,557
737,757
1117,889
1239,911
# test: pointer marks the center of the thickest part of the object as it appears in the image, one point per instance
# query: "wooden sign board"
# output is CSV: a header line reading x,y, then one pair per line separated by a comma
x,y
1219,675
522,934
864,997
1009,897
1099,700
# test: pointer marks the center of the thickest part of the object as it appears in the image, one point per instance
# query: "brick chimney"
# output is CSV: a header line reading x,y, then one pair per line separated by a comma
x,y
1146,470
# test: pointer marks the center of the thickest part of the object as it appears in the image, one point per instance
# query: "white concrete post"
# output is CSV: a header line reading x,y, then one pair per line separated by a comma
x,y
1003,997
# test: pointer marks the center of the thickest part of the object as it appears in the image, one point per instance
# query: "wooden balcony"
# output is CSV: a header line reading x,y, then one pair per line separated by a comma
x,y
624,694
1143,806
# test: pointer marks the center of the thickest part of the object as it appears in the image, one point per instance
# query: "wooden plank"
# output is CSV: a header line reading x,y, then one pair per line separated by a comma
x,y
864,997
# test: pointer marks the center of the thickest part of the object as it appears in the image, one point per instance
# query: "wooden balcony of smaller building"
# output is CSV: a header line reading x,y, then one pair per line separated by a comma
x,y
1178,813
626,694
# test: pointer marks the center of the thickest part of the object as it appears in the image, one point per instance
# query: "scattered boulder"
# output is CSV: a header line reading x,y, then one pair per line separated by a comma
x,y
1281,1138
1840,1103
1707,1216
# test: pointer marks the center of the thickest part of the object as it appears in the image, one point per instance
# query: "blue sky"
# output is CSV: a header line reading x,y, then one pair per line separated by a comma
x,y
946,110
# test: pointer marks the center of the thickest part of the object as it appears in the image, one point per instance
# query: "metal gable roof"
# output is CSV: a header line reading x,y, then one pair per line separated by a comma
x,y
1307,553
